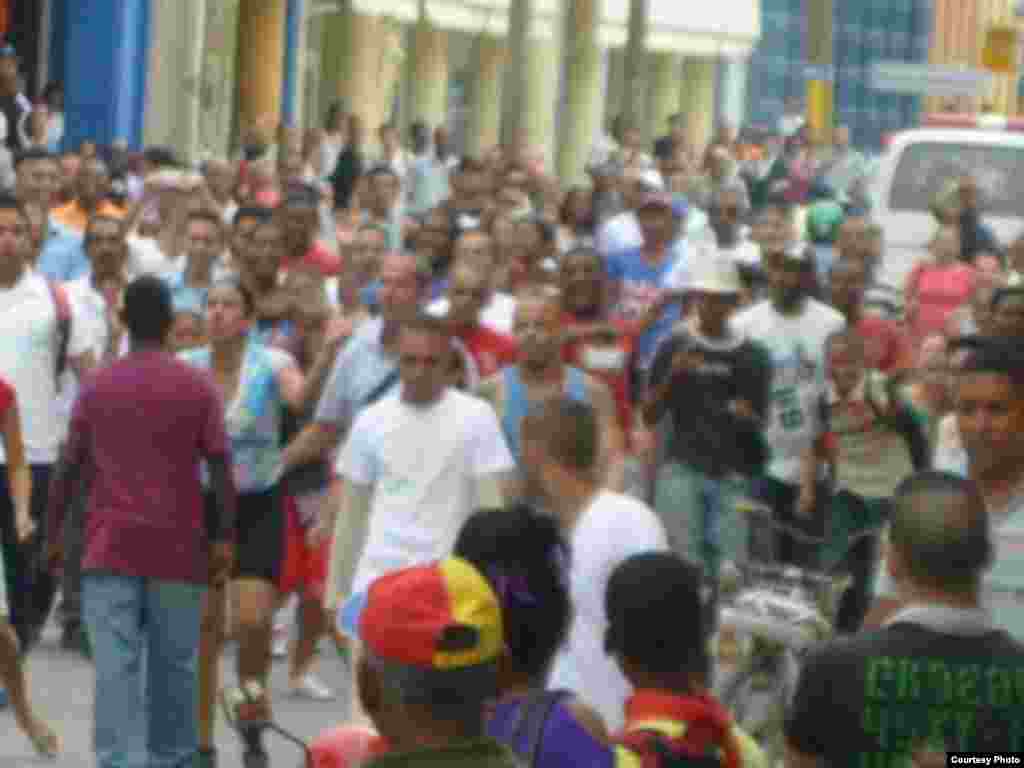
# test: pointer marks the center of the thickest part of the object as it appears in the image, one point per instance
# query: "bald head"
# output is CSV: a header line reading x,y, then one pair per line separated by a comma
x,y
939,532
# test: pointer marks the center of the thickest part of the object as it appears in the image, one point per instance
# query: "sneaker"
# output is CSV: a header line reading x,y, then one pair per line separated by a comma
x,y
310,687
279,649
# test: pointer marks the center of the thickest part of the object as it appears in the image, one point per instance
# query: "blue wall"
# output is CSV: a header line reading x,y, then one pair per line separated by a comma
x,y
863,32
103,60
292,75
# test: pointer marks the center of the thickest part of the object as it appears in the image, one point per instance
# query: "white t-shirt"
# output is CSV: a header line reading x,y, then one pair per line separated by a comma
x,y
499,314
797,347
611,530
146,258
28,361
89,310
423,465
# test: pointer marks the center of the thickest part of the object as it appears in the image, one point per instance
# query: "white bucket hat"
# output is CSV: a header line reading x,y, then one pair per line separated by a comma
x,y
716,274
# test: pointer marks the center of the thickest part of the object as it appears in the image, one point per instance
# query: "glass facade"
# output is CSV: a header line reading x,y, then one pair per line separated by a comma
x,y
863,32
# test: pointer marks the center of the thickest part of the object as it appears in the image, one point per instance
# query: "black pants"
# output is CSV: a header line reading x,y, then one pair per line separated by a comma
x,y
30,586
782,499
860,562
70,609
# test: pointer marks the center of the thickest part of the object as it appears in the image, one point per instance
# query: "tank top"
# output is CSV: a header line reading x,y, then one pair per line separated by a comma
x,y
517,405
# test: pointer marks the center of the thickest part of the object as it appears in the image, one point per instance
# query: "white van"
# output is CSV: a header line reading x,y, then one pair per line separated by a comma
x,y
914,168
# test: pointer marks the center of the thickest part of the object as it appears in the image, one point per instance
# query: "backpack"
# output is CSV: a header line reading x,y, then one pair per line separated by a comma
x,y
63,306
709,740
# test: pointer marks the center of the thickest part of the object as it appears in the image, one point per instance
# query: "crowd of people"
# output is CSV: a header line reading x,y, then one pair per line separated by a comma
x,y
492,435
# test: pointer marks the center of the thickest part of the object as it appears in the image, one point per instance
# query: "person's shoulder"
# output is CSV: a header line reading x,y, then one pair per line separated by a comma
x,y
818,311
749,315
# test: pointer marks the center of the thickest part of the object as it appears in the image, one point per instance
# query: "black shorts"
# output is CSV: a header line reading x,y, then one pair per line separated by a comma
x,y
259,534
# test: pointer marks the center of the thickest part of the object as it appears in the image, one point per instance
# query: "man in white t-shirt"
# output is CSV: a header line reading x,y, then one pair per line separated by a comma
x,y
415,466
794,329
30,345
561,451
989,396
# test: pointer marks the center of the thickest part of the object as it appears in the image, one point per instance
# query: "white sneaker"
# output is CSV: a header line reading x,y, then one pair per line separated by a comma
x,y
311,687
279,648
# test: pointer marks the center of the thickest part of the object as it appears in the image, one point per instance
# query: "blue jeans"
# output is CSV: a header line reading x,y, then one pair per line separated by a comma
x,y
700,517
144,627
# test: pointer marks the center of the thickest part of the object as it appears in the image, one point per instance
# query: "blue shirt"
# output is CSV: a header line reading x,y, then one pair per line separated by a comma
x,y
185,297
362,370
641,285
63,257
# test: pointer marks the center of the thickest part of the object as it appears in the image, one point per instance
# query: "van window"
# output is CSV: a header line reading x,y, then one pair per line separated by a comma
x,y
924,168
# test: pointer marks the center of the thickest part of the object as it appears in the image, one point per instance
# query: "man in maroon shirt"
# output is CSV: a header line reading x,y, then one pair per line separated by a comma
x,y
140,429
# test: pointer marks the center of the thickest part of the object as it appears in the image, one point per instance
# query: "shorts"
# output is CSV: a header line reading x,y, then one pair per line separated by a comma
x,y
305,567
259,534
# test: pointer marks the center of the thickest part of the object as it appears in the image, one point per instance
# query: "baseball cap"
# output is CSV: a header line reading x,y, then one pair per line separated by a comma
x,y
441,616
651,180
641,592
823,221
716,274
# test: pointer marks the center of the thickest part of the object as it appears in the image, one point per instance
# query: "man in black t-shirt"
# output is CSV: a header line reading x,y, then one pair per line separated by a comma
x,y
714,388
936,677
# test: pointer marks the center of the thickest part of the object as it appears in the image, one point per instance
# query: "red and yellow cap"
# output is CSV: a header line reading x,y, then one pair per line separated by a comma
x,y
441,616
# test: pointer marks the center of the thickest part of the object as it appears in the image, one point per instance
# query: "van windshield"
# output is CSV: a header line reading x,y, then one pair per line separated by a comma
x,y
925,168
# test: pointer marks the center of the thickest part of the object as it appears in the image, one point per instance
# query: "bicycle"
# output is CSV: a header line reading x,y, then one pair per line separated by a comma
x,y
247,712
777,614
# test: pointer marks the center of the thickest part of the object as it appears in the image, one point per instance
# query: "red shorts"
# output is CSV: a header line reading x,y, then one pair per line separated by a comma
x,y
305,567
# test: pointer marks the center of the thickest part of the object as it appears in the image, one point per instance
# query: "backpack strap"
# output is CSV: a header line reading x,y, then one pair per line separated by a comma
x,y
63,307
534,713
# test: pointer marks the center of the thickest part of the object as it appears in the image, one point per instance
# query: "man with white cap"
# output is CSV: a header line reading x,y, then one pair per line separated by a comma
x,y
713,385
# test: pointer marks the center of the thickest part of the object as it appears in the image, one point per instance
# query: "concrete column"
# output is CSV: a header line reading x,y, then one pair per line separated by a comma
x,y
543,73
664,98
582,117
616,83
516,77
261,36
429,67
484,98
369,70
699,99
634,96
219,91
333,39
175,86
733,101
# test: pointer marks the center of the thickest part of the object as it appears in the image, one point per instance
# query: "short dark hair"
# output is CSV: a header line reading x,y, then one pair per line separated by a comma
x,y
31,154
148,309
568,430
381,169
95,219
993,354
524,557
470,164
162,157
422,322
449,695
257,212
235,284
940,526
656,614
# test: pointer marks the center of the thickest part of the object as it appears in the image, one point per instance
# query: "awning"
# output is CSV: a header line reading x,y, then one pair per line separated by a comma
x,y
491,16
715,28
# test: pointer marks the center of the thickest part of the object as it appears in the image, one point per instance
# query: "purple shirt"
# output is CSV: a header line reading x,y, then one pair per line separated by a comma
x,y
139,430
564,741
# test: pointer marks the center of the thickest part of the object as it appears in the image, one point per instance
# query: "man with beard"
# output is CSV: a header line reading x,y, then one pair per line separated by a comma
x,y
794,328
541,374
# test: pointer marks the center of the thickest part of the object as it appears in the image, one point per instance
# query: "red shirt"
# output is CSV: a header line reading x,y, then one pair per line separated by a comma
x,y
139,430
490,349
7,397
617,380
321,258
886,344
939,290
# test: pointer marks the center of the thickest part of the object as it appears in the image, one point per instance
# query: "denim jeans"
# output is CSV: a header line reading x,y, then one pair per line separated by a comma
x,y
145,640
699,514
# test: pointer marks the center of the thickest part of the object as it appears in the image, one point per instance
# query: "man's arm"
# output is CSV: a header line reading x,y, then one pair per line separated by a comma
x,y
612,443
66,476
350,503
222,482
322,435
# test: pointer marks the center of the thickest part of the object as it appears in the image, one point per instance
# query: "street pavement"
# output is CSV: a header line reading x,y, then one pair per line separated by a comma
x,y
61,684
